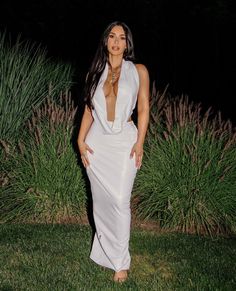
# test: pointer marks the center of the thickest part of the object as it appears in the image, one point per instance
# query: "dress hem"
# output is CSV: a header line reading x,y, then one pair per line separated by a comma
x,y
109,267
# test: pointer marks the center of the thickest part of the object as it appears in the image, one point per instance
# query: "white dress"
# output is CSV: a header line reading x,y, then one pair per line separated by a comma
x,y
111,171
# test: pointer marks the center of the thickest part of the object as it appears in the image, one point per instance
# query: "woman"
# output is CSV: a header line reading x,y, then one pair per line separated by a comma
x,y
110,144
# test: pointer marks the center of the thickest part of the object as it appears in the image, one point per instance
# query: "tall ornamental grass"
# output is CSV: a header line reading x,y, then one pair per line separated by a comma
x,y
188,178
26,76
42,181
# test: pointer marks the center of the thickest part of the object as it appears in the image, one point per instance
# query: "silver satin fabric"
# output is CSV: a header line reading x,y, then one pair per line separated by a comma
x,y
111,171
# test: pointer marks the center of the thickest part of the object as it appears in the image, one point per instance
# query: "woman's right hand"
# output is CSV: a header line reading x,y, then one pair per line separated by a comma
x,y
83,148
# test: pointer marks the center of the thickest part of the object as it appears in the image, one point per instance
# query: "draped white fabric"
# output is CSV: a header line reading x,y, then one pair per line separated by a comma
x,y
111,171
128,84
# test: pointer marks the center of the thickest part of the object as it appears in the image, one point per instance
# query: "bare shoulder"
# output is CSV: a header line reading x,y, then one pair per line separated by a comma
x,y
141,67
142,71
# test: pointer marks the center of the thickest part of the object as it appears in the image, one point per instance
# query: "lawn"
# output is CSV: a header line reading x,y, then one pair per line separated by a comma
x,y
56,257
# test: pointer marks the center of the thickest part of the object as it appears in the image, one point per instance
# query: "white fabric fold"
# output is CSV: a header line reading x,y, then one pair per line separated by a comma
x,y
111,171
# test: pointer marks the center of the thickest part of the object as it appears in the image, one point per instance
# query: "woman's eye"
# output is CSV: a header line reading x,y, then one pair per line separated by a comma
x,y
112,36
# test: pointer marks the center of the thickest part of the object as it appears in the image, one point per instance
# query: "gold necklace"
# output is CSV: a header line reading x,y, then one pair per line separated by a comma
x,y
113,78
114,75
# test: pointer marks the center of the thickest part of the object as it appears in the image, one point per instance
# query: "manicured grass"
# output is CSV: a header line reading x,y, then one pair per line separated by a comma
x,y
47,257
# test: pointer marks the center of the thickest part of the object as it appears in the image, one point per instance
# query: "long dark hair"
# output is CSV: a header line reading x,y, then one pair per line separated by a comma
x,y
101,57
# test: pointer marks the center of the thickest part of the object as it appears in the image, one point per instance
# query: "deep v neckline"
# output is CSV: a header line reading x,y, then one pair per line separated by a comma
x,y
118,89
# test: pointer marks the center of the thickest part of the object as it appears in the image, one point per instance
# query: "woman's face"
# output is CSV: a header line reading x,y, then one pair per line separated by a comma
x,y
116,43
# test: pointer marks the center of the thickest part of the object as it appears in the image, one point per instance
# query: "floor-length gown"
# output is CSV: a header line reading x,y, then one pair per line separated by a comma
x,y
111,171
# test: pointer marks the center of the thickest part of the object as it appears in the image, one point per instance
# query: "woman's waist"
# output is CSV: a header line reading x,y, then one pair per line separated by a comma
x,y
105,126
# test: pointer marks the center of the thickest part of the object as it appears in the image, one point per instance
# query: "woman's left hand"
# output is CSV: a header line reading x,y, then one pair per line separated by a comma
x,y
138,150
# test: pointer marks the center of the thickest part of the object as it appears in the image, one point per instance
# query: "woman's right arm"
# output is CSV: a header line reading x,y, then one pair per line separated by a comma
x,y
86,123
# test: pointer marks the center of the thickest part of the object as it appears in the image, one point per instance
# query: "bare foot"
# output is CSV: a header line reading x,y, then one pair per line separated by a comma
x,y
120,276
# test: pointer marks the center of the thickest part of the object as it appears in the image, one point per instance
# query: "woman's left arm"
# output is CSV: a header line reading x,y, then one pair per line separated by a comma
x,y
143,113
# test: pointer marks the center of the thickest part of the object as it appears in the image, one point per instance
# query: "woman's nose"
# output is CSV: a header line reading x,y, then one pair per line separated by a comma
x,y
116,39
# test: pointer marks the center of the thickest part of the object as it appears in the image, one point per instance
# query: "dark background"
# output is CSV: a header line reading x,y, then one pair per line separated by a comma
x,y
186,44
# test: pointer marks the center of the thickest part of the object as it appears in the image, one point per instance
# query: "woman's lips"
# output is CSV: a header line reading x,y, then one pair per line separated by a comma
x,y
115,48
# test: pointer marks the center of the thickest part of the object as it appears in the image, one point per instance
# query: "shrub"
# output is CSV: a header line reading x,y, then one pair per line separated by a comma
x,y
44,180
26,77
188,177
